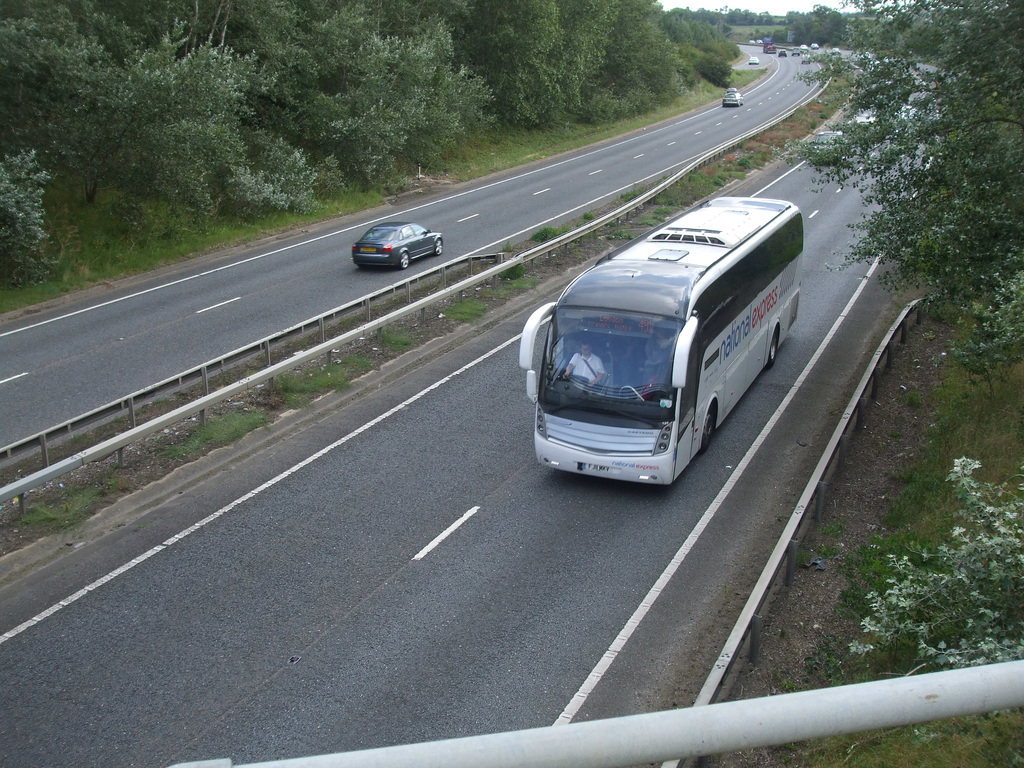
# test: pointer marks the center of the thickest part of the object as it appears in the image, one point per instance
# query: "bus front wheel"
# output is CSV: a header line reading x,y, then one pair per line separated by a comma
x,y
709,428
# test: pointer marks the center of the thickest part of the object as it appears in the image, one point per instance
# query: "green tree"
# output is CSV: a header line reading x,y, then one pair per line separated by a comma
x,y
640,69
402,100
714,69
159,126
938,150
21,221
514,47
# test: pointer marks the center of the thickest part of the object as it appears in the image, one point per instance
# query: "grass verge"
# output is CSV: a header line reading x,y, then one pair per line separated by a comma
x,y
981,420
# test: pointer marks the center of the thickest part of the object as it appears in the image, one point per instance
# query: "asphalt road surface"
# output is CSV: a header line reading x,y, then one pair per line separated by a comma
x,y
306,601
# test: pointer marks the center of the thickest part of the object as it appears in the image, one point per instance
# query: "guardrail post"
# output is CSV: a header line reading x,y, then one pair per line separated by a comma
x,y
266,349
120,456
206,391
819,501
131,412
903,331
366,304
21,503
861,405
755,638
444,277
323,330
44,451
888,355
408,291
790,562
874,384
843,440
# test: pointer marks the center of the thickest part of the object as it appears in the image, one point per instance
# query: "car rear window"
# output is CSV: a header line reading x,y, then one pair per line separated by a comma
x,y
380,233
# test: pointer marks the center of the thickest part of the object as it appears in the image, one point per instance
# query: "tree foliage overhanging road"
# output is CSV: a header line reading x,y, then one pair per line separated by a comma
x,y
939,148
165,116
228,108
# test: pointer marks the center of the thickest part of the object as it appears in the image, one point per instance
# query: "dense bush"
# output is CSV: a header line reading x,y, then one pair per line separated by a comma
x,y
961,604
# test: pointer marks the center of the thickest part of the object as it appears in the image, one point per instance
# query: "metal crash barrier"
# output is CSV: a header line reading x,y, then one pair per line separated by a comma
x,y
709,730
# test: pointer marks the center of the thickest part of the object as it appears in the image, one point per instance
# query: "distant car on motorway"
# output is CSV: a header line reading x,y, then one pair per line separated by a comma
x,y
754,61
826,137
732,98
395,243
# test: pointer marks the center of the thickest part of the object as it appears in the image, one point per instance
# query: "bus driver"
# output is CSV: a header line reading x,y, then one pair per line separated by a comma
x,y
587,365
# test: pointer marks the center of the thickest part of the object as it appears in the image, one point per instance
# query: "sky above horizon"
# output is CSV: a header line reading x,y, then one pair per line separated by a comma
x,y
774,7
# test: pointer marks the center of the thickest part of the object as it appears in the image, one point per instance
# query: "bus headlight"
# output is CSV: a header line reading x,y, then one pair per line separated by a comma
x,y
540,424
664,439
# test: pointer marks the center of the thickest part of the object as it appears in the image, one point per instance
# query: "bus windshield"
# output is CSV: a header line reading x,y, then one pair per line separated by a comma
x,y
610,362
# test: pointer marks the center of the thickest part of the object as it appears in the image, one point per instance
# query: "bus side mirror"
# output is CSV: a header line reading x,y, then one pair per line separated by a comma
x,y
528,342
531,386
680,362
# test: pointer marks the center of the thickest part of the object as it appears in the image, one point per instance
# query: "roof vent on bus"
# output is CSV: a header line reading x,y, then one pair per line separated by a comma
x,y
707,239
687,235
668,255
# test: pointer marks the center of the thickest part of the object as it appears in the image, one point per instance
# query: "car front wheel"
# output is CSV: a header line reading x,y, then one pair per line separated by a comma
x,y
438,247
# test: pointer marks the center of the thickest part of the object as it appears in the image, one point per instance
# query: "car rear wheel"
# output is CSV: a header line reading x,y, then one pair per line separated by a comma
x,y
403,260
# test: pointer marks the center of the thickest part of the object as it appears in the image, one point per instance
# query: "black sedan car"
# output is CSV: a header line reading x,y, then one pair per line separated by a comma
x,y
395,243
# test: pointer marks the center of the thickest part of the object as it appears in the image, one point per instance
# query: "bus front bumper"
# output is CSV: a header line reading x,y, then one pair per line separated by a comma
x,y
653,470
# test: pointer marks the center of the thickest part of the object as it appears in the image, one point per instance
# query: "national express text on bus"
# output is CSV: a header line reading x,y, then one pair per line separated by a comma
x,y
644,354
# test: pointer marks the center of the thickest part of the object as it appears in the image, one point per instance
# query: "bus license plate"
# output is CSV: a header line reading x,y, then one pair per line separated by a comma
x,y
594,467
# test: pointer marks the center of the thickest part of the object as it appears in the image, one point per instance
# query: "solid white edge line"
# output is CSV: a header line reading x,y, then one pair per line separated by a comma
x,y
595,676
445,534
12,378
251,494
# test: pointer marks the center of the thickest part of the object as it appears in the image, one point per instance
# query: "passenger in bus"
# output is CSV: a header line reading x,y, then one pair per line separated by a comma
x,y
658,351
626,365
587,365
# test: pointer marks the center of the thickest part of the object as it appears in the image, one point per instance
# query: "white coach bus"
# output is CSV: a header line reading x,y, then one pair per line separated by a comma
x,y
646,352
